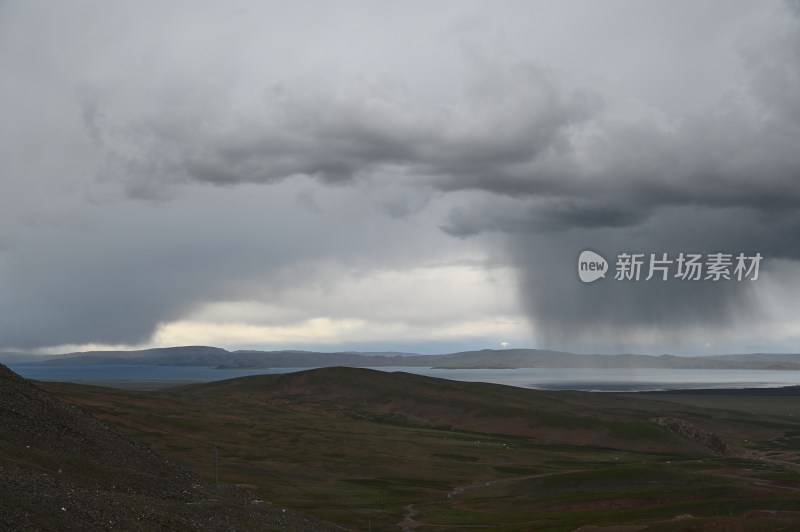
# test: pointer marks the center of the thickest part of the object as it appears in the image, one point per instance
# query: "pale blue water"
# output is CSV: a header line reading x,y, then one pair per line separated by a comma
x,y
539,378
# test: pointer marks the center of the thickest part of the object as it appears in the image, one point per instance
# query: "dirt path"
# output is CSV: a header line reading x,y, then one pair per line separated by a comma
x,y
408,524
461,489
755,481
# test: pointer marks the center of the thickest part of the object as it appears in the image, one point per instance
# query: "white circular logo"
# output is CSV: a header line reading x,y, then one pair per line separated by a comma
x,y
591,266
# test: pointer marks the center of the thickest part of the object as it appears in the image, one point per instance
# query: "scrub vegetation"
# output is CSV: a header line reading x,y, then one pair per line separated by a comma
x,y
396,451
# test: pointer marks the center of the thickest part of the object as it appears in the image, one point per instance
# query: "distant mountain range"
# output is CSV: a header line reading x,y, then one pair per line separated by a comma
x,y
486,358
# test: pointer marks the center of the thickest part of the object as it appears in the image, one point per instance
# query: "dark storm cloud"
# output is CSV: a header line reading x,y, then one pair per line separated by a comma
x,y
725,179
668,159
141,265
515,129
671,314
535,216
511,116
561,169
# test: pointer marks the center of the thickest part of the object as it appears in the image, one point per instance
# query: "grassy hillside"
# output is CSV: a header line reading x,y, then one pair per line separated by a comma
x,y
401,451
62,469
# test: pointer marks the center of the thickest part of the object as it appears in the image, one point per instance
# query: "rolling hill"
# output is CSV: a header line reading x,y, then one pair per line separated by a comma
x,y
397,450
62,469
400,398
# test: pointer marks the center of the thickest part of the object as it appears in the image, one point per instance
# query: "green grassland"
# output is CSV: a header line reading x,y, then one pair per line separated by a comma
x,y
402,451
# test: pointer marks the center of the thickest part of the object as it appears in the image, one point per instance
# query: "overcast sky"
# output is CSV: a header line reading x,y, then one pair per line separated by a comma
x,y
404,176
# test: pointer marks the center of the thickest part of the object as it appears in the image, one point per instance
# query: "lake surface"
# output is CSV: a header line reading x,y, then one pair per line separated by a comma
x,y
539,378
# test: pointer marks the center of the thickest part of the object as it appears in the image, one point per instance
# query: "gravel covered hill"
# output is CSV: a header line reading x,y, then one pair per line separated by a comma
x,y
61,468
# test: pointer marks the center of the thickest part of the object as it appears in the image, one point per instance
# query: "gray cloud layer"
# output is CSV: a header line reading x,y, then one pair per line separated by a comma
x,y
549,164
514,129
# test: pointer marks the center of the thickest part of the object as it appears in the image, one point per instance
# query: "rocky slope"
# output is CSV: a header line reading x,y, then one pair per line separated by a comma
x,y
61,468
690,432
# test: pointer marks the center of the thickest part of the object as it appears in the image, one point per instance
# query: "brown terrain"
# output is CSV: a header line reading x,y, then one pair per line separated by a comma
x,y
62,469
372,450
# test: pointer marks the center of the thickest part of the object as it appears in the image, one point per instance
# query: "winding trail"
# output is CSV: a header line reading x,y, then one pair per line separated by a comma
x,y
461,489
408,524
